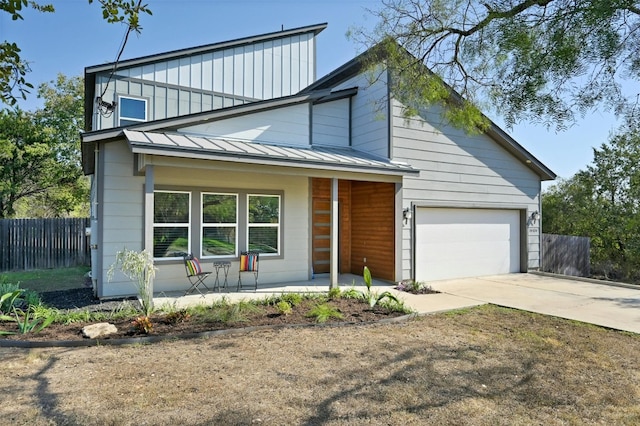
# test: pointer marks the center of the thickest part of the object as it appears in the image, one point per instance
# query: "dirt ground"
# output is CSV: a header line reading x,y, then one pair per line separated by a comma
x,y
485,366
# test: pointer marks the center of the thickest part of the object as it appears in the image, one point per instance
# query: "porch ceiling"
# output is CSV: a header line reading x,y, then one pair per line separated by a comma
x,y
207,148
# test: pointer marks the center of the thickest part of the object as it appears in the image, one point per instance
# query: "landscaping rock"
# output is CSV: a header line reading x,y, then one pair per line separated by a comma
x,y
101,329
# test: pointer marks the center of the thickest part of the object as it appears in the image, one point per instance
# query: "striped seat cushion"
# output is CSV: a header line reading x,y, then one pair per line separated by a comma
x,y
193,266
248,262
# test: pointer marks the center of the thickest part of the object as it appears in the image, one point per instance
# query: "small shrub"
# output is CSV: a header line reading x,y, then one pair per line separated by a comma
x,y
323,312
293,299
177,316
284,308
416,287
352,293
142,324
334,293
28,322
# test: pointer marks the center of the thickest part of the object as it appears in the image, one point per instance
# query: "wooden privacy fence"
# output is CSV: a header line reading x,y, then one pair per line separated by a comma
x,y
566,255
43,243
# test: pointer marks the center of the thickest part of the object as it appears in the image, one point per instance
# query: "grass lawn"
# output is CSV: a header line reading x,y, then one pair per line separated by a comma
x,y
47,279
482,366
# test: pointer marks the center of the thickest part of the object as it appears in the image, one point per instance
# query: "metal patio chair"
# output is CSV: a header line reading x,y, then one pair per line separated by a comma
x,y
249,261
195,274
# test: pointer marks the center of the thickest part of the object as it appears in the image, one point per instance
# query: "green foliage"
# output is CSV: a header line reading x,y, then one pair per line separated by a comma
x,y
323,312
371,297
545,61
178,316
13,69
7,292
138,267
334,293
284,308
29,322
7,301
293,299
603,203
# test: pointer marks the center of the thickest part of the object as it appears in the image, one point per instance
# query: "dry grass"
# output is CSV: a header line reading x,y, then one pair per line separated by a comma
x,y
483,366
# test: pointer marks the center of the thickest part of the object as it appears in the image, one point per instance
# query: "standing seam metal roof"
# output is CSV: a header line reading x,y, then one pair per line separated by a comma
x,y
251,152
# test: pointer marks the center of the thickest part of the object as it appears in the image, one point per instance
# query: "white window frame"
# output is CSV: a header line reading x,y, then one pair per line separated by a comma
x,y
175,225
265,225
132,120
204,225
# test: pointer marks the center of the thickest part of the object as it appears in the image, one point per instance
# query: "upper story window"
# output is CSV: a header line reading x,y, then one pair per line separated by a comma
x,y
132,111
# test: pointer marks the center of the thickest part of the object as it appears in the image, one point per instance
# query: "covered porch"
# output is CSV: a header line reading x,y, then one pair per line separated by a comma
x,y
340,209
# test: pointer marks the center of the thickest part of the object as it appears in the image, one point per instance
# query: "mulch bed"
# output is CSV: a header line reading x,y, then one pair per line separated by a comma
x,y
353,311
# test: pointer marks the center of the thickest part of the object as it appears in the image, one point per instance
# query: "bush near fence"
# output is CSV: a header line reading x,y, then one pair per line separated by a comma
x,y
27,244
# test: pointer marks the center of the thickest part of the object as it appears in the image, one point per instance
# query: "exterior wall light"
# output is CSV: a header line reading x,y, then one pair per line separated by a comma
x,y
535,216
406,215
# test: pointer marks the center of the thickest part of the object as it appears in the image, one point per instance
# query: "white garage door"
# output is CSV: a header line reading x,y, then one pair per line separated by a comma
x,y
457,243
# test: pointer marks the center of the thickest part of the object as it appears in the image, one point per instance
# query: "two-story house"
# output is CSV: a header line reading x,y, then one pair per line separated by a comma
x,y
216,149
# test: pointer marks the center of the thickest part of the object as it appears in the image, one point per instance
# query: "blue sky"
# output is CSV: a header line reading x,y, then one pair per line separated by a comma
x,y
76,36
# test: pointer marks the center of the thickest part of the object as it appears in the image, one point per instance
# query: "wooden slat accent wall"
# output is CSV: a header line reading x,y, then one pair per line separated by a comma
x,y
321,193
372,232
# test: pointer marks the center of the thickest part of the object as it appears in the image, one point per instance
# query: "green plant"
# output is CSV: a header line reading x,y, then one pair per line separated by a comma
x,y
28,322
31,298
323,312
371,297
334,293
138,267
176,317
284,308
6,302
293,299
9,293
142,323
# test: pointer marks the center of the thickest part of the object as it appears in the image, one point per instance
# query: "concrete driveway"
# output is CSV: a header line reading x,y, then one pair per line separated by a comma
x,y
606,305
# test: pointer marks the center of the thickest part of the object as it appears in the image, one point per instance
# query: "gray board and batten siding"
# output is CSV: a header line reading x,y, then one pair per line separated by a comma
x,y
207,78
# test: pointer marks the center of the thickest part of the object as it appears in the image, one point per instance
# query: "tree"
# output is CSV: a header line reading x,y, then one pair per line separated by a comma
x,y
40,171
545,61
603,203
13,69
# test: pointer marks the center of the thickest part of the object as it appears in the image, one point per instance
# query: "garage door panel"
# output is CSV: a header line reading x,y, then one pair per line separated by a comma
x,y
455,243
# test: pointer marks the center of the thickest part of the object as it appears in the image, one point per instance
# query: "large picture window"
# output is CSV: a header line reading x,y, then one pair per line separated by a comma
x,y
263,227
219,225
171,223
132,111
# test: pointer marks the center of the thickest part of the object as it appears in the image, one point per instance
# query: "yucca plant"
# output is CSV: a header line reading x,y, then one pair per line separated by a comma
x,y
374,298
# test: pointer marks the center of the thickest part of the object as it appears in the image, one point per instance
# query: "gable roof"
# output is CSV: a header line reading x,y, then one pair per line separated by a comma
x,y
91,71
502,138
